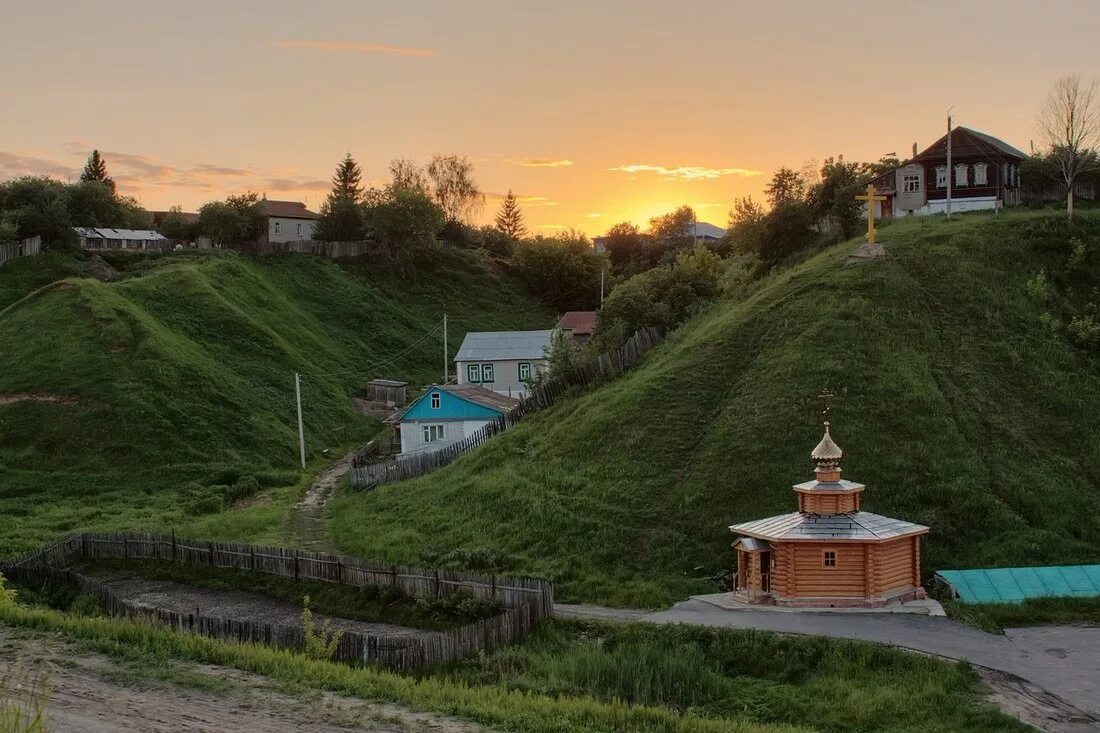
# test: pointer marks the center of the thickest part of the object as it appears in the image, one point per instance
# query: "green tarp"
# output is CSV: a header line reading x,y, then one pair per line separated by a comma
x,y
1012,585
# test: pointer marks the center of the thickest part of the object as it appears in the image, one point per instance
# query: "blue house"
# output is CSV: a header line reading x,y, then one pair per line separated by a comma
x,y
447,414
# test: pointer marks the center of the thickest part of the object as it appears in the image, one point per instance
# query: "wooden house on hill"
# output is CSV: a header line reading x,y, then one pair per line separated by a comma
x,y
502,361
985,174
447,414
579,324
829,553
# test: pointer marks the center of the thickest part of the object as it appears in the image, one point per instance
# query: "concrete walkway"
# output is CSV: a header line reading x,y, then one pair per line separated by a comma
x,y
1062,660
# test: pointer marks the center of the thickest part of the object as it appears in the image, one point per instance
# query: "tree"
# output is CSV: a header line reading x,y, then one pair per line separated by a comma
x,y
1069,122
625,244
745,232
402,218
564,272
833,197
509,218
408,175
673,232
562,354
454,188
96,170
177,226
786,186
346,183
221,222
38,206
250,207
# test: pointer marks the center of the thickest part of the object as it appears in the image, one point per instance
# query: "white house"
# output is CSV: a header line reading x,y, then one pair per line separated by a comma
x,y
502,361
447,414
288,221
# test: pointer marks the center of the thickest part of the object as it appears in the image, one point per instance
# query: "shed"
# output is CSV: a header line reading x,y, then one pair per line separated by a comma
x,y
1014,585
389,391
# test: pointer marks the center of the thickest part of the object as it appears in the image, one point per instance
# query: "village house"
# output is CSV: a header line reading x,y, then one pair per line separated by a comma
x,y
288,221
502,361
985,174
447,414
105,238
579,324
830,553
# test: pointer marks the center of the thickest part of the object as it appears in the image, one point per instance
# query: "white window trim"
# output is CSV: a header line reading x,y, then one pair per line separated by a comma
x,y
980,174
433,433
488,374
276,227
524,366
435,400
941,176
910,178
964,179
473,373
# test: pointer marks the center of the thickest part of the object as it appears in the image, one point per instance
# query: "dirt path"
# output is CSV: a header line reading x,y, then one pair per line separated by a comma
x,y
239,605
92,693
307,520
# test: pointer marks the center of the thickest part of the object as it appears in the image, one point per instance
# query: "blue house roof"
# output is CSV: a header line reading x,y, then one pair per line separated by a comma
x,y
458,402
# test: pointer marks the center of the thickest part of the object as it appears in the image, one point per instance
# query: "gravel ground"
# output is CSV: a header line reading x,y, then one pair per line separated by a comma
x,y
239,605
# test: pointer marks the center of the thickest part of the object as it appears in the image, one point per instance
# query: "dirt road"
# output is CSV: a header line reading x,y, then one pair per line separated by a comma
x,y
92,693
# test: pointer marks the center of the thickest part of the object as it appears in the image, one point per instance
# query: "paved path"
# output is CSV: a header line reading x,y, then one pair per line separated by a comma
x,y
1062,660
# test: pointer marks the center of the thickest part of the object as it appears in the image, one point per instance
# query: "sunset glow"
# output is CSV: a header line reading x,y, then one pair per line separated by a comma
x,y
592,113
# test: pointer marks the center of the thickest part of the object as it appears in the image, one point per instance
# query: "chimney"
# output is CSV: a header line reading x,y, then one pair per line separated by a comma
x,y
914,150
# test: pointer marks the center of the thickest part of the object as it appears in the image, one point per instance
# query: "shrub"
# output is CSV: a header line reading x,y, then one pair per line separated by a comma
x,y
7,595
1084,331
243,488
461,606
271,479
321,643
1038,289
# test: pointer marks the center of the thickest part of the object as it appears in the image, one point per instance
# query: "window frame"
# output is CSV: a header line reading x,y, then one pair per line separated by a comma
x,y
488,374
276,227
433,432
941,176
473,373
910,182
829,559
519,371
965,180
981,174
435,400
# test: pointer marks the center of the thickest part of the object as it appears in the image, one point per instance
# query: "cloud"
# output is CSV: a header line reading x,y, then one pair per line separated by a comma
x,y
593,215
688,172
357,47
526,200
288,184
217,170
543,163
14,165
550,226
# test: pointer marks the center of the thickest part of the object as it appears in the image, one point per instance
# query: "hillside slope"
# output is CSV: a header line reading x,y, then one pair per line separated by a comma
x,y
113,395
956,404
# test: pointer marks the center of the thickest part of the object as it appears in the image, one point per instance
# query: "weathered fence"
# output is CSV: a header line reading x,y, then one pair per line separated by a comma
x,y
23,248
526,600
608,364
332,250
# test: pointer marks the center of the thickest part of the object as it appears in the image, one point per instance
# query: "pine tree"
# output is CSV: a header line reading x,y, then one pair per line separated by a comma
x,y
346,184
96,170
509,218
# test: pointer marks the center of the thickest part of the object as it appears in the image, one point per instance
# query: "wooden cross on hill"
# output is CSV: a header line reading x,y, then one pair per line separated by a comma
x,y
871,198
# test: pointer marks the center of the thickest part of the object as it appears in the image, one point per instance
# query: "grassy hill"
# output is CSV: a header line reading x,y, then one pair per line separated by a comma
x,y
958,404
150,399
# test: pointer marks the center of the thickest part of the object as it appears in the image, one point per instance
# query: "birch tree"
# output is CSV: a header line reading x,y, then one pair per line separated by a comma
x,y
1069,122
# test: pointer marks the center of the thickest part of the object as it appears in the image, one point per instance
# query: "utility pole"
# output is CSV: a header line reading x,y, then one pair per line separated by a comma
x,y
601,284
446,354
950,172
301,431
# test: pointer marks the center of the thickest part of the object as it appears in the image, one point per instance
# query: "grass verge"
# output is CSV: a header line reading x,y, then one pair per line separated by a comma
x,y
996,617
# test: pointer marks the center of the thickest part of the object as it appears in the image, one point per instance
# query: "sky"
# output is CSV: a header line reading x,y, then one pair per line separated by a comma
x,y
592,112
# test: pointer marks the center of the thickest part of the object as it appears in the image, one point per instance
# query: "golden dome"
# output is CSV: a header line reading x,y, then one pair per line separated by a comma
x,y
827,453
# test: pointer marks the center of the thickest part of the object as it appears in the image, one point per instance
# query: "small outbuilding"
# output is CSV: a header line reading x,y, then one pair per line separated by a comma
x,y
579,324
447,414
388,391
829,553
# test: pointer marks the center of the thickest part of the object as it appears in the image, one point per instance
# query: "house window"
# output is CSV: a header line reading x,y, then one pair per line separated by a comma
x,y
910,184
486,372
941,176
276,227
299,230
433,433
473,373
961,177
828,558
435,400
524,371
979,174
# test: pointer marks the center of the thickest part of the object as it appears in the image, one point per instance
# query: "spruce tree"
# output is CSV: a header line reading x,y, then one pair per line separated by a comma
x,y
96,170
509,218
346,184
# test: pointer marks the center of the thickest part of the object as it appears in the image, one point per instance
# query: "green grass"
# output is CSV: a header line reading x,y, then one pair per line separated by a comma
x,y
592,677
185,366
957,405
377,603
996,617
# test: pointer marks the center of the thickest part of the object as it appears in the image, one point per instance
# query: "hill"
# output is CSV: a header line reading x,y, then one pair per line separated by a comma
x,y
958,404
168,393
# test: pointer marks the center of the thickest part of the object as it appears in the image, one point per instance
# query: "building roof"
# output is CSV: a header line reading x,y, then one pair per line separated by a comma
x,y
979,142
107,233
581,323
504,345
751,544
1012,585
287,209
831,487
858,526
481,396
705,229
388,383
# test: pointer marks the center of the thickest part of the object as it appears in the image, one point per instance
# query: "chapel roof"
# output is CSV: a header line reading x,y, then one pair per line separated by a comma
x,y
797,526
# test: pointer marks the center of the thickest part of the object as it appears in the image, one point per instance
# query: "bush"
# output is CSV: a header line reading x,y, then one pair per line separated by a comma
x,y
272,479
461,606
477,559
243,488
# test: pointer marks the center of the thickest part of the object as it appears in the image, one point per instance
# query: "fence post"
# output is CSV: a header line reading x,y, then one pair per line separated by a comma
x,y
437,583
252,558
393,569
494,585
210,547
125,549
173,544
84,544
295,564
339,572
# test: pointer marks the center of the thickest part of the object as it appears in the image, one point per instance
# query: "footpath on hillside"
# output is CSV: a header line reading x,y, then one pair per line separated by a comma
x,y
1061,663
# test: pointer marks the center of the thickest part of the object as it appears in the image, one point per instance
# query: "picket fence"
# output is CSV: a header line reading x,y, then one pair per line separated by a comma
x,y
608,364
526,600
23,248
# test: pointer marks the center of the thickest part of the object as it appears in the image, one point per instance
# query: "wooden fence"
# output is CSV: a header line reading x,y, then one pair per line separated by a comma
x,y
608,364
526,600
23,248
332,250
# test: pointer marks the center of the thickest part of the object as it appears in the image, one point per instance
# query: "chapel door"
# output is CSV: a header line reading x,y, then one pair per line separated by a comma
x,y
765,571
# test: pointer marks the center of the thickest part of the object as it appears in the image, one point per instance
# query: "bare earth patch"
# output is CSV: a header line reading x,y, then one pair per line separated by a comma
x,y
92,693
239,605
7,399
